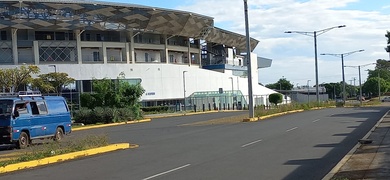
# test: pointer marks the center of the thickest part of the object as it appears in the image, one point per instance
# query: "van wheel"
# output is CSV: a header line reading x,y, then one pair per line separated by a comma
x,y
24,141
59,134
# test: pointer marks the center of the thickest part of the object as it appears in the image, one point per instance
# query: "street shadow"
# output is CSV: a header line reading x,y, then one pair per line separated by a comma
x,y
327,145
319,167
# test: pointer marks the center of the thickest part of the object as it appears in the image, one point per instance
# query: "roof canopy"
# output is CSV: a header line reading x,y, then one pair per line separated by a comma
x,y
95,15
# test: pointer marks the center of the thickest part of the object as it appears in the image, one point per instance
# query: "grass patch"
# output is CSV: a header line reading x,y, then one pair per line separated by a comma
x,y
44,150
263,111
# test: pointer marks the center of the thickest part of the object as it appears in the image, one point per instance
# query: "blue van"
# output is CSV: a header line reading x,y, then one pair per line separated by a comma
x,y
28,116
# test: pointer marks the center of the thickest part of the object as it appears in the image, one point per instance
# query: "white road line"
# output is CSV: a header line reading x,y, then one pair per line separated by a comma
x,y
316,120
166,172
292,129
245,145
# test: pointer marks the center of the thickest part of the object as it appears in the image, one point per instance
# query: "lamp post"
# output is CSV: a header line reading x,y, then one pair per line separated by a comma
x,y
184,91
231,78
342,55
315,34
248,57
360,80
308,91
379,84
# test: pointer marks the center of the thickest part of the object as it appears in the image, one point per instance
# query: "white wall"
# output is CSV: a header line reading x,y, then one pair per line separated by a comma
x,y
163,81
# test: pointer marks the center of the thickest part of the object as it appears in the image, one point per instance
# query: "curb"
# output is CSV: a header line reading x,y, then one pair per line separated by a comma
x,y
64,157
351,152
269,116
112,124
190,113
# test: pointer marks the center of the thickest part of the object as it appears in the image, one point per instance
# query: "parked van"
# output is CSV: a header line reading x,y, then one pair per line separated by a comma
x,y
29,115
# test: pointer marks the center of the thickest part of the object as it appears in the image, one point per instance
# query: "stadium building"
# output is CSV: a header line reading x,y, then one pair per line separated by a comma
x,y
175,55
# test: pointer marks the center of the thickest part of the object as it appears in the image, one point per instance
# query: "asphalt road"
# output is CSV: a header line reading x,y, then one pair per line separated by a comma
x,y
303,145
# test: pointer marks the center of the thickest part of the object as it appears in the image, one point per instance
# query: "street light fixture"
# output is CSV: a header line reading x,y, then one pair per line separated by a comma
x,y
342,55
248,57
315,34
360,80
184,90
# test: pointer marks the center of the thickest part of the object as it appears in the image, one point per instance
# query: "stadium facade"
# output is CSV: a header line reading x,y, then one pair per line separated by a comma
x,y
173,54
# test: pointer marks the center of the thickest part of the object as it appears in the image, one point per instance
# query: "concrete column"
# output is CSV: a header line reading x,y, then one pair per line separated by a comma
x,y
166,52
189,53
78,46
127,53
130,34
200,54
14,38
36,52
104,52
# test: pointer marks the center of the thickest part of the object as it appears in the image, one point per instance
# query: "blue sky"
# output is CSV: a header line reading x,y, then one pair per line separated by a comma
x,y
293,54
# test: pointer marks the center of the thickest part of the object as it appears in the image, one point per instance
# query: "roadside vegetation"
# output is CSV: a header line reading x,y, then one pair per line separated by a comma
x,y
39,151
111,101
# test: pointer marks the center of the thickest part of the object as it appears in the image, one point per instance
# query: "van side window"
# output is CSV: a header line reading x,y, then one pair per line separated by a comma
x,y
38,107
21,108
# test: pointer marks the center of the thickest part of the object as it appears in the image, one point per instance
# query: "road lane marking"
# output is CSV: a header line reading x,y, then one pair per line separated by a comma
x,y
245,145
316,120
166,172
292,129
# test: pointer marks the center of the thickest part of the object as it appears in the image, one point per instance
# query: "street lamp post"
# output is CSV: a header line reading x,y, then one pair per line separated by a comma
x,y
248,57
308,92
231,78
342,55
184,91
315,34
360,80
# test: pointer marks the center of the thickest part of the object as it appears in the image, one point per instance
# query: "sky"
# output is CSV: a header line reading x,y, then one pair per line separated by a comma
x,y
367,22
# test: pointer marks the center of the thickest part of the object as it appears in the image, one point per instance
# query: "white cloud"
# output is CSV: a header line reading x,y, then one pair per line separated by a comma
x,y
293,54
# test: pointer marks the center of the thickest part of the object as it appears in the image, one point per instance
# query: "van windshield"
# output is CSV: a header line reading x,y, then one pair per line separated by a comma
x,y
6,107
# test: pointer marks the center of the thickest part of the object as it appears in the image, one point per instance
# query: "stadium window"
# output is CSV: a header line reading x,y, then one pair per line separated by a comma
x,y
60,36
3,35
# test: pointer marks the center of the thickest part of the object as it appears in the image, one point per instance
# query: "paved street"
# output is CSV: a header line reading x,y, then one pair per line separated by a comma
x,y
303,145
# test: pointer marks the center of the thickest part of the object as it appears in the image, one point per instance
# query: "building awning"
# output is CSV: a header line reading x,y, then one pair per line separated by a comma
x,y
96,15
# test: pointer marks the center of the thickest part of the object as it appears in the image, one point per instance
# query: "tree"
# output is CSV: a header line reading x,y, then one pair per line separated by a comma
x,y
281,84
334,90
52,82
113,93
371,86
276,98
12,79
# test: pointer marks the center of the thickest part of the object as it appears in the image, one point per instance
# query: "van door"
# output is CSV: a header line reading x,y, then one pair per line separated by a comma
x,y
38,119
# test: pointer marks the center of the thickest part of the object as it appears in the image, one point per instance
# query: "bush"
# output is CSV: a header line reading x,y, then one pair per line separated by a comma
x,y
83,116
124,114
155,109
275,98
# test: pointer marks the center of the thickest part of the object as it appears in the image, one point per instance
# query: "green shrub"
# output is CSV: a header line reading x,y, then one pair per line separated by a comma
x,y
83,116
275,98
124,114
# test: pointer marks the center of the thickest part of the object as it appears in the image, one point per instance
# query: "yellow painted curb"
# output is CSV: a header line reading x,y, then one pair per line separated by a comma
x,y
64,157
271,115
250,119
112,124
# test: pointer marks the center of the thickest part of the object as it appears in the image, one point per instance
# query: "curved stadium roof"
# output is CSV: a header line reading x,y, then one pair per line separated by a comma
x,y
97,15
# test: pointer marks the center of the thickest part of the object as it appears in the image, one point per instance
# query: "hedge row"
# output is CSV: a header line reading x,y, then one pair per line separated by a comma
x,y
104,115
155,109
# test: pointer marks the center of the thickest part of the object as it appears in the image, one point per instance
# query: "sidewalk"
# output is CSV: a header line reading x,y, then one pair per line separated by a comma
x,y
368,161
